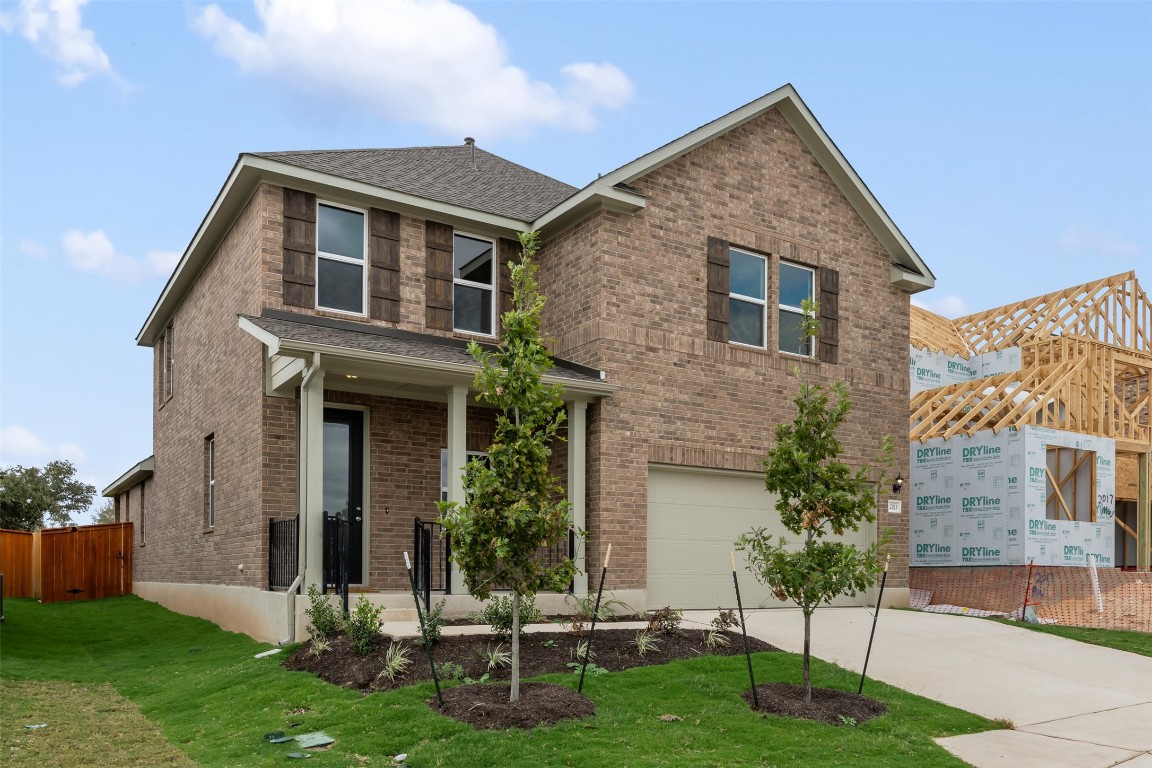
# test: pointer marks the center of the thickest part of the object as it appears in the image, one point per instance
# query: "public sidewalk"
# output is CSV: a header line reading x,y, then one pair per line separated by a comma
x,y
1072,704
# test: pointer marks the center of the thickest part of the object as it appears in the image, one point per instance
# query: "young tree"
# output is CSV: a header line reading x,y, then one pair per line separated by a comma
x,y
818,495
513,505
28,495
105,513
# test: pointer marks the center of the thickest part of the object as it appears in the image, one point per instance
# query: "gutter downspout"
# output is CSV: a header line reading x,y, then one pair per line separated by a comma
x,y
291,603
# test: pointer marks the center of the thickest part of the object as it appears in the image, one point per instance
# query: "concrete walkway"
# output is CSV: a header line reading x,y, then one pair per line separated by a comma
x,y
1072,704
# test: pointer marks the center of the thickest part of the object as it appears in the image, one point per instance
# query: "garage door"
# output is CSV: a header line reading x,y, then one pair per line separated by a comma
x,y
694,518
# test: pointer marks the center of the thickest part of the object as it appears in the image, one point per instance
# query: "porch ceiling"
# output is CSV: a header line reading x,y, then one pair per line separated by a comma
x,y
360,357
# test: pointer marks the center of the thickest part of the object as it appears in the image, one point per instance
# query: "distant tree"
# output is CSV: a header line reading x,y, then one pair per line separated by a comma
x,y
31,496
513,504
105,513
817,495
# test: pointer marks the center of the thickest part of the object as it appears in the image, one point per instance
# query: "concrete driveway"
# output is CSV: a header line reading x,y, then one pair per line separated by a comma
x,y
1072,704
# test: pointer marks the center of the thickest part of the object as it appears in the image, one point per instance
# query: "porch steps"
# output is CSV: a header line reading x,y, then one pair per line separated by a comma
x,y
398,614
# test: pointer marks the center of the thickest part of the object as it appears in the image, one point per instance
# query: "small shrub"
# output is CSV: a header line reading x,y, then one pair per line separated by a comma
x,y
470,681
583,607
847,721
497,613
433,623
363,626
646,641
726,620
496,657
395,662
716,638
592,669
325,615
319,645
666,620
450,670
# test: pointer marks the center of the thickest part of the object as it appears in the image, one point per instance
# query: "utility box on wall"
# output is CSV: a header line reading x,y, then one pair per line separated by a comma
x,y
1031,495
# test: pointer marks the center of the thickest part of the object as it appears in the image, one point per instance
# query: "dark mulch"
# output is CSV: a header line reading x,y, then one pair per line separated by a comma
x,y
828,706
487,706
540,653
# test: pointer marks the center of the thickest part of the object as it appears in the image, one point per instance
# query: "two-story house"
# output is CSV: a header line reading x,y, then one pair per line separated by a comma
x,y
309,358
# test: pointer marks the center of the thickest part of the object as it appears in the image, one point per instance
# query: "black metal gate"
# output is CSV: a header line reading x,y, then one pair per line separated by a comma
x,y
433,551
336,557
283,546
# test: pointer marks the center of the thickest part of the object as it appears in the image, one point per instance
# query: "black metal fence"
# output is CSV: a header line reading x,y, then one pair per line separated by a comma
x,y
432,549
336,557
283,546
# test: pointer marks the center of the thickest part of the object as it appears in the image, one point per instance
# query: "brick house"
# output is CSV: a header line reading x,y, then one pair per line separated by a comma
x,y
309,357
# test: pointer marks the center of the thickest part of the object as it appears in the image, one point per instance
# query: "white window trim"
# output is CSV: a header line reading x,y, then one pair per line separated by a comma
x,y
445,472
211,441
751,300
782,307
143,513
490,288
362,263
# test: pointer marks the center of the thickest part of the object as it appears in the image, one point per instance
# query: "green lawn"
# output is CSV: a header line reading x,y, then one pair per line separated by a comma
x,y
1121,640
208,696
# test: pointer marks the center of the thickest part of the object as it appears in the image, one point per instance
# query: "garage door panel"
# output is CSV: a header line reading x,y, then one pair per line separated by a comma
x,y
694,519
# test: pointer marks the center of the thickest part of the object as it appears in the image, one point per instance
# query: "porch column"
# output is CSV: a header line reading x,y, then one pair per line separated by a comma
x,y
457,460
577,477
312,474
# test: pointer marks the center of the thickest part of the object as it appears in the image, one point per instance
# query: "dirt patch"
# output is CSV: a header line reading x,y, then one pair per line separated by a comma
x,y
487,706
828,705
540,653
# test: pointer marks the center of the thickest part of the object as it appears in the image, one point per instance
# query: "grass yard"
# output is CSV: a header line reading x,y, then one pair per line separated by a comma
x,y
1120,639
112,677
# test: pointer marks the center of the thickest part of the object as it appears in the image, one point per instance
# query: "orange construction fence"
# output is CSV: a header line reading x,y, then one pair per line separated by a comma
x,y
1080,596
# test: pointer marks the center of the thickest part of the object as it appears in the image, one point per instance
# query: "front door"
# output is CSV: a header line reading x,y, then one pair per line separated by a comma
x,y
344,480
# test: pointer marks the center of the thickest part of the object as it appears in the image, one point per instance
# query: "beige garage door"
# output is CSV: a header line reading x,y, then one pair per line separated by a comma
x,y
694,518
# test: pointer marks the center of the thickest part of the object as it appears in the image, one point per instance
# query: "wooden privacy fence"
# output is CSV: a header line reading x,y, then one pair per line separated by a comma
x,y
61,564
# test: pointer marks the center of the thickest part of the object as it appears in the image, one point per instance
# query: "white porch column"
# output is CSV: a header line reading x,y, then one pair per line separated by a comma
x,y
312,474
457,460
577,477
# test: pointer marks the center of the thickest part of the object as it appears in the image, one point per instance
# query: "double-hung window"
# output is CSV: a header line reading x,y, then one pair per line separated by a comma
x,y
747,303
210,481
473,284
340,242
796,286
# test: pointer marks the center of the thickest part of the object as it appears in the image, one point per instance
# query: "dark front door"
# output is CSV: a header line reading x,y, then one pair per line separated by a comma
x,y
344,480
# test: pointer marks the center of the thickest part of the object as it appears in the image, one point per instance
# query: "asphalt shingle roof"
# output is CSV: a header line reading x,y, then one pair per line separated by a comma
x,y
344,334
445,174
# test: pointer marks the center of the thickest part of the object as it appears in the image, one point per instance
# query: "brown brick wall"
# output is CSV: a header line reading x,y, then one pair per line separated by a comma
x,y
218,390
686,400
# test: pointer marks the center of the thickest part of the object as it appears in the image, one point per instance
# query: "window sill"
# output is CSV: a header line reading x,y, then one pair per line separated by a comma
x,y
207,531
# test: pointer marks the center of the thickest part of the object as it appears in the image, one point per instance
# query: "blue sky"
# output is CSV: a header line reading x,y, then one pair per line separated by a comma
x,y
1010,142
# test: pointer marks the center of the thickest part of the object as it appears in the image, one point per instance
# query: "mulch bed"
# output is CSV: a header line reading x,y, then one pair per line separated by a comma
x,y
487,706
540,653
828,705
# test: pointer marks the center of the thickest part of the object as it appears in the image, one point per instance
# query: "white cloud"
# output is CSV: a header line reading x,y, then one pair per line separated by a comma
x,y
94,252
55,29
35,250
427,61
950,307
1090,241
18,445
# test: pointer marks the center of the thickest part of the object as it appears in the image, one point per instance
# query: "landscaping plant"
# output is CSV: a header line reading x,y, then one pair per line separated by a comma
x,y
325,615
513,504
497,614
433,623
395,662
817,495
363,626
665,620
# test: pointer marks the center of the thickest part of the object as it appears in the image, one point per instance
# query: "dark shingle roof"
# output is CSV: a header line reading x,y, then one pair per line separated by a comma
x,y
444,174
370,338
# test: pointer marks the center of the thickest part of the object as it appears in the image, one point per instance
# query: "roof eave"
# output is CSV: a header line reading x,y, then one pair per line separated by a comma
x,y
131,478
597,196
249,172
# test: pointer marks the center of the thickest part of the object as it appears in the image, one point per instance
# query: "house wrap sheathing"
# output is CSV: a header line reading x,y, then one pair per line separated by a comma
x,y
1030,431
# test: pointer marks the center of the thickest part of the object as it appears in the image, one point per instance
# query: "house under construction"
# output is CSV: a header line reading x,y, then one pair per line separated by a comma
x,y
1031,430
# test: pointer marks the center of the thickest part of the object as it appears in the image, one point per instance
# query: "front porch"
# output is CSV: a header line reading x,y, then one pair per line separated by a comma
x,y
383,430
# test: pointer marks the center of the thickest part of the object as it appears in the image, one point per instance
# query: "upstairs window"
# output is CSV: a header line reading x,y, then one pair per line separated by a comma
x,y
168,365
210,481
797,284
340,242
747,305
473,284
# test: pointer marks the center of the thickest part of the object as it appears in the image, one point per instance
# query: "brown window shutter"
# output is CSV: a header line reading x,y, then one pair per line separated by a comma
x,y
829,301
384,265
438,276
299,248
509,251
718,289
